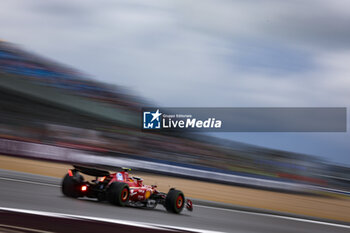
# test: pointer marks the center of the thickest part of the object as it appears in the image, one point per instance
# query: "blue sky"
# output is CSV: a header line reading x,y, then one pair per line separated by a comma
x,y
203,53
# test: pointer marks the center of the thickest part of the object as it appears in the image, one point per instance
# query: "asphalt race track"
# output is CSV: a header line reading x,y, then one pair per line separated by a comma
x,y
29,192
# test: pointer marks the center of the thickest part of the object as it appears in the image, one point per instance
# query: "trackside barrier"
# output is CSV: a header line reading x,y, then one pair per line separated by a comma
x,y
66,155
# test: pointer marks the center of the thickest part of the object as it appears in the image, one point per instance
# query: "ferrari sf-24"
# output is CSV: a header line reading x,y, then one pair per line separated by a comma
x,y
121,189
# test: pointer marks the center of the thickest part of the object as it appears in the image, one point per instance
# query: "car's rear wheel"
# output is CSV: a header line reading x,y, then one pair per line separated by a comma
x,y
71,185
118,193
175,201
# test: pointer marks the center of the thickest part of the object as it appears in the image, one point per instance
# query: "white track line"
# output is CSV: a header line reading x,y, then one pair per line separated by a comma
x,y
109,220
278,216
29,182
221,209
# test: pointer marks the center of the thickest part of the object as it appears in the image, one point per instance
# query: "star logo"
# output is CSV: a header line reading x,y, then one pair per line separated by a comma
x,y
151,119
156,115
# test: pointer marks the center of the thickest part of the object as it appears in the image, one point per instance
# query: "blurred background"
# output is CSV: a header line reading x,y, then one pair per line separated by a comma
x,y
75,74
75,68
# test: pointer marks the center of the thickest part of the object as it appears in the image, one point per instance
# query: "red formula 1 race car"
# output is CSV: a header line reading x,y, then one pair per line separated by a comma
x,y
122,190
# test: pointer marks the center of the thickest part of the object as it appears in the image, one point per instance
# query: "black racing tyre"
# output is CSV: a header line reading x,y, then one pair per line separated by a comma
x,y
175,201
118,193
71,185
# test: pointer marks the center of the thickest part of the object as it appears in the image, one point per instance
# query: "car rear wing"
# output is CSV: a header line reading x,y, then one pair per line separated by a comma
x,y
91,171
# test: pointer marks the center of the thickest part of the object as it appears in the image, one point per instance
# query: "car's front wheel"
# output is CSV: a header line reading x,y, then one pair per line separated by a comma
x,y
175,201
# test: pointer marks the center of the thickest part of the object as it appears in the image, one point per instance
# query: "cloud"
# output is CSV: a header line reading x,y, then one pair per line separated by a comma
x,y
227,54
317,24
232,53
